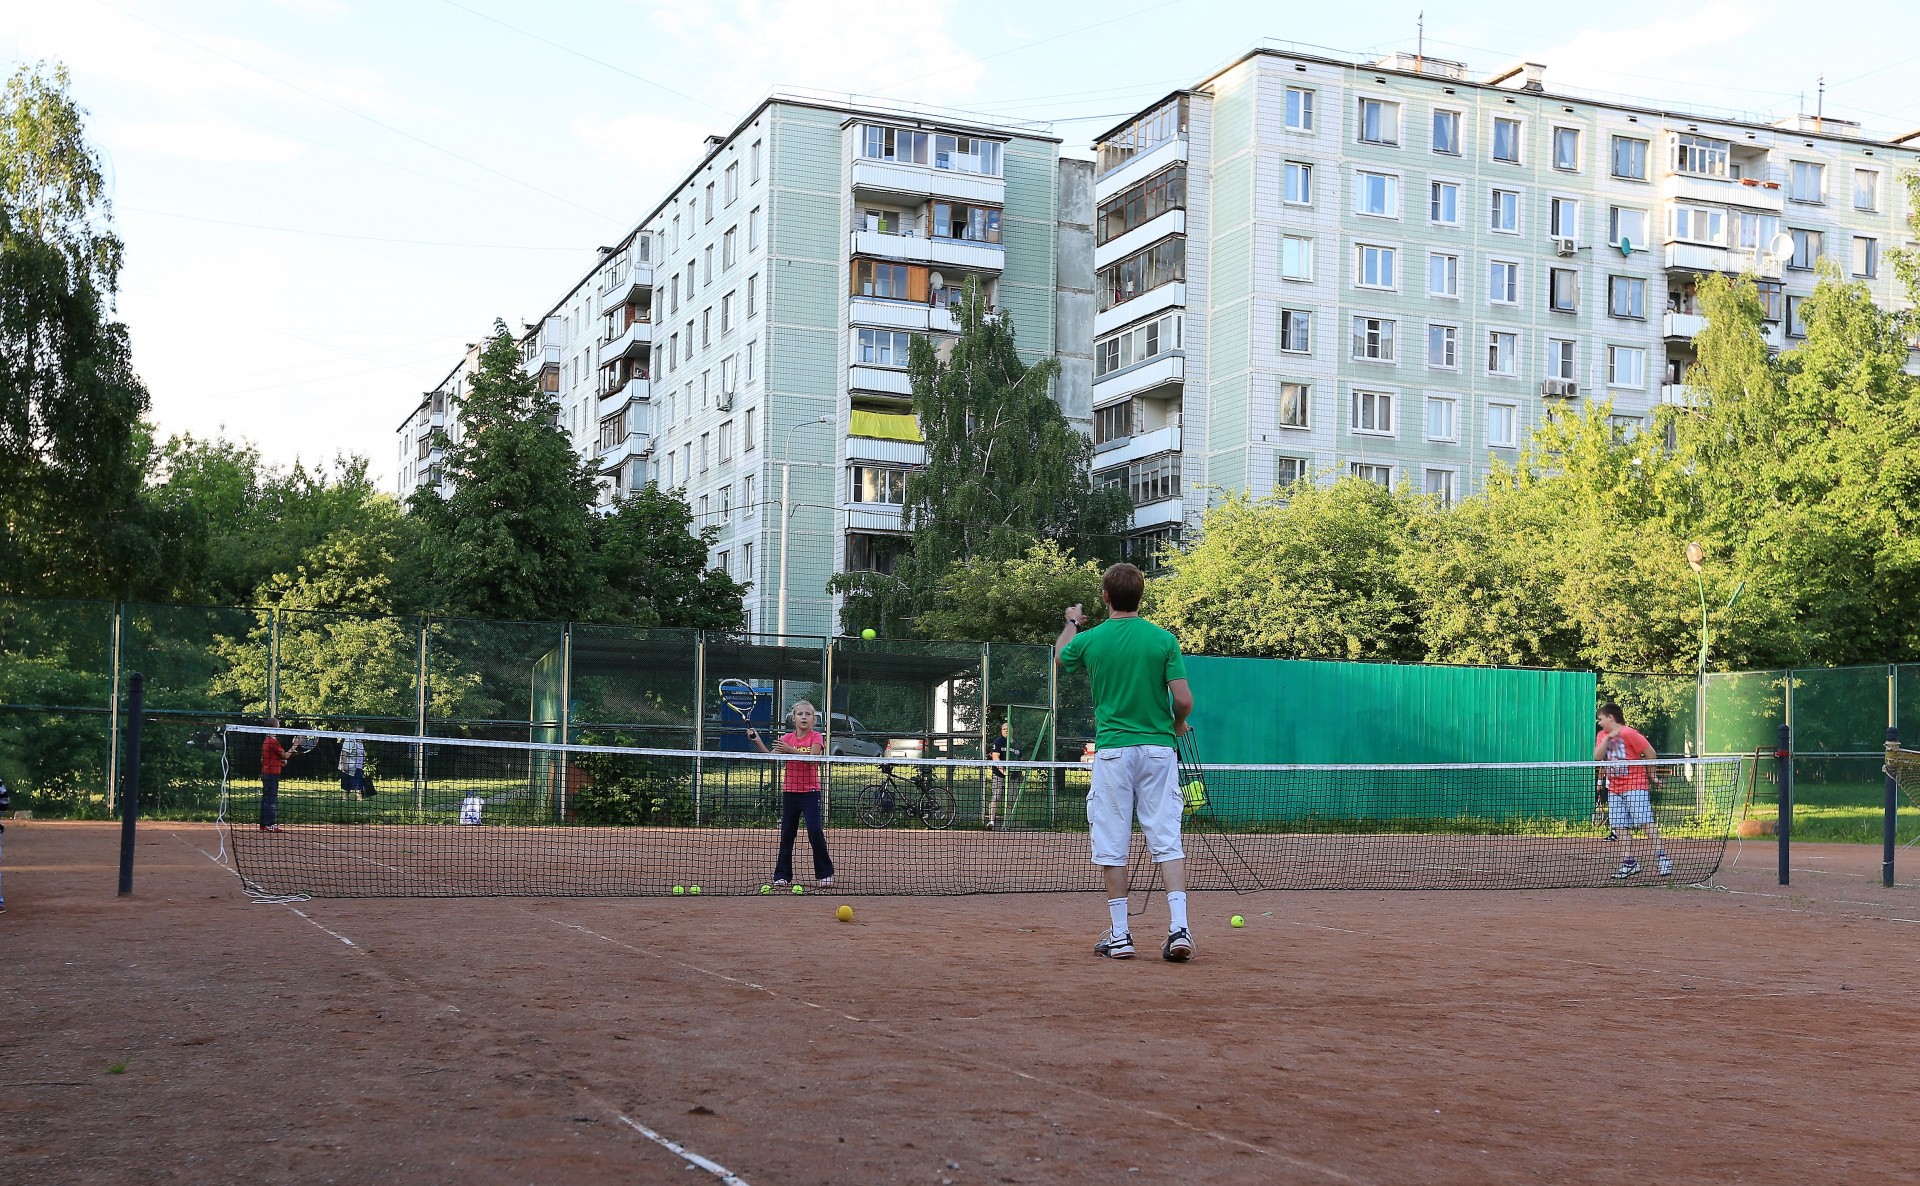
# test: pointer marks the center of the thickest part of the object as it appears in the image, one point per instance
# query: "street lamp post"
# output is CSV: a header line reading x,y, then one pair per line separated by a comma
x,y
786,516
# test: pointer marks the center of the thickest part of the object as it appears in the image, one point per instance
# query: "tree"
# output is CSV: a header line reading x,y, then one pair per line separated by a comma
x,y
71,442
651,568
1018,600
515,538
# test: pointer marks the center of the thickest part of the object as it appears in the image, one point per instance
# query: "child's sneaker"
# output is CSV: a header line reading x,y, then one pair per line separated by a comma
x,y
1115,947
1666,864
1628,868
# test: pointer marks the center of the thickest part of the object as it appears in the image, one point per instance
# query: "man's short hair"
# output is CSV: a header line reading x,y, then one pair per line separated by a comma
x,y
1610,709
1123,584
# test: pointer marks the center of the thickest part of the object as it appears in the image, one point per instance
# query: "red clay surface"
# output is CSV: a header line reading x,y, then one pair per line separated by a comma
x,y
1752,1033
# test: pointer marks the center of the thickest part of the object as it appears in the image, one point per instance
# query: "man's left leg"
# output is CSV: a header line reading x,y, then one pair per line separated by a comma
x,y
1161,806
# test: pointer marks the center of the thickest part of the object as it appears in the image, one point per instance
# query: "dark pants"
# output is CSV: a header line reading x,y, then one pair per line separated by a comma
x,y
269,798
794,805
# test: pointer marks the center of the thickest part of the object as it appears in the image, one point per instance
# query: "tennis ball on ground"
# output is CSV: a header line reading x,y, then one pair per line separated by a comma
x,y
869,634
766,889
1237,921
693,889
844,914
678,890
799,889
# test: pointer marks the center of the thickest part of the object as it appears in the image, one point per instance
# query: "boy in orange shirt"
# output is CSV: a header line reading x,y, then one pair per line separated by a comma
x,y
1629,798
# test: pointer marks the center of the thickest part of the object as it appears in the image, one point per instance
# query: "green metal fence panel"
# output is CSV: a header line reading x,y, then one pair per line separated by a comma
x,y
1743,710
480,676
1840,710
630,685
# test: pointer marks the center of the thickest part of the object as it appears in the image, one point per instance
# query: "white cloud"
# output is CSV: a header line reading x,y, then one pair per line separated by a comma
x,y
207,141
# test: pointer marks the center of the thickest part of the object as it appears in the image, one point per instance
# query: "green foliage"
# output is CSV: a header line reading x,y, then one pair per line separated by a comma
x,y
626,792
651,568
1018,600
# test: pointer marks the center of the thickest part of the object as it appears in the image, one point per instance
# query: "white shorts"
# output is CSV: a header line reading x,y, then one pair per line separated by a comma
x,y
1130,780
1630,810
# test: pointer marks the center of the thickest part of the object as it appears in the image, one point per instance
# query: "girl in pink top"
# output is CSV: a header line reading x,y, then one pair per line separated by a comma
x,y
801,781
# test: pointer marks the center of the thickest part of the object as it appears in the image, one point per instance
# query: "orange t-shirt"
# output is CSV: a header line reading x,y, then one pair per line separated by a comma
x,y
1628,745
801,777
273,756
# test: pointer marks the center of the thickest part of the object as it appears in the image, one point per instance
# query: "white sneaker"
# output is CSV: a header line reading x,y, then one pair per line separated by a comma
x,y
1115,947
1666,864
1628,868
1178,948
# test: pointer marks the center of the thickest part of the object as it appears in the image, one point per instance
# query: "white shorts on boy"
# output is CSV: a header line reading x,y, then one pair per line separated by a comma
x,y
1632,809
1129,781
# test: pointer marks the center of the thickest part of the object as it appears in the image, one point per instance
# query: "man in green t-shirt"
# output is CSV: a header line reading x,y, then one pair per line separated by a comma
x,y
1140,705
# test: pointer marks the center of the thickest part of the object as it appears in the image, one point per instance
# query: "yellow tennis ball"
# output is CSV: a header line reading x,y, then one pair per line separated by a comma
x,y
799,889
1237,921
766,889
844,914
693,889
869,634
678,890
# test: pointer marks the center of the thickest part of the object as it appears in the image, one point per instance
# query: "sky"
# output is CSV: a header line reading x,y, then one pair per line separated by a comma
x,y
323,201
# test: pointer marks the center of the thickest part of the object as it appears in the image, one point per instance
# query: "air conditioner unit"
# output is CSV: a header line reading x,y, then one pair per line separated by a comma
x,y
724,401
1563,246
1560,388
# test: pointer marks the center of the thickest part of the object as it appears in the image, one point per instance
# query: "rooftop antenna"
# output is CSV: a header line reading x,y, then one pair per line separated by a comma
x,y
1820,108
1420,44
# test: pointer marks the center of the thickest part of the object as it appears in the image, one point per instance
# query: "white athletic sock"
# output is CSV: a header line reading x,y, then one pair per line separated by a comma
x,y
1117,909
1177,907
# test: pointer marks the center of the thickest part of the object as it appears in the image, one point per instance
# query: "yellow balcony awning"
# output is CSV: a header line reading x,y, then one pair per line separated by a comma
x,y
886,426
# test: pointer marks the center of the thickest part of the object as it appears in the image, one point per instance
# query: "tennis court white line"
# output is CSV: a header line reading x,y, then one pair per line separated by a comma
x,y
335,934
678,1150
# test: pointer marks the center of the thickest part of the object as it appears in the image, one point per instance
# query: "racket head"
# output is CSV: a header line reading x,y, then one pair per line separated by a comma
x,y
738,695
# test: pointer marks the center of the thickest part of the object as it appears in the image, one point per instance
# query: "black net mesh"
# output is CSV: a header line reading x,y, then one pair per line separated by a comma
x,y
382,815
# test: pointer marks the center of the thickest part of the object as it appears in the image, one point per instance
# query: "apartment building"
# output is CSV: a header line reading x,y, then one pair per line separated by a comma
x,y
1309,268
746,344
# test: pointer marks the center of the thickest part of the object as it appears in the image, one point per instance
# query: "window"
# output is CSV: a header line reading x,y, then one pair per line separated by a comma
x,y
1755,231
1560,358
1700,224
1627,297
1443,205
1563,290
1503,426
1379,122
1291,411
1440,486
704,442
1136,344
967,154
1299,109
1503,353
873,483
674,240
726,313
970,224
724,561
1296,258
1566,149
732,178
1809,182
1796,317
1379,475
1506,211
1866,189
1134,207
1376,193
1442,417
1287,471
1626,366
753,229
1771,294
1443,275
894,144
1296,183
747,442
1866,257
673,352
706,503
1806,250
706,327
730,247
1373,338
1563,218
1163,263
1443,346
753,352
1503,282
753,163
1506,140
1446,132
1373,266
709,201
889,282
1700,155
870,552
1152,479
1372,412
1629,158
883,347
726,453
1296,331
1113,423
705,388
1150,131
753,295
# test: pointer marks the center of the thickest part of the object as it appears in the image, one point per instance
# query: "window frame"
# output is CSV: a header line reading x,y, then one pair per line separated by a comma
x,y
1494,339
1519,126
1563,358
1628,283
1872,270
1380,334
1304,405
1386,106
1381,253
1554,278
1873,196
1512,287
1618,350
1391,190
1819,168
1452,404
1452,258
1433,128
1512,410
1434,185
1645,146
1308,100
1374,402
1306,254
1302,321
1289,169
1554,141
1494,194
1450,334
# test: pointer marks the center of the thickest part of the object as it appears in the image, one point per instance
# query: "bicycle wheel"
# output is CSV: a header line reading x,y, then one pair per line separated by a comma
x,y
938,807
877,805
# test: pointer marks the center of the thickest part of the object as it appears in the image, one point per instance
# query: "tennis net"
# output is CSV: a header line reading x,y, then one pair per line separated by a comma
x,y
373,815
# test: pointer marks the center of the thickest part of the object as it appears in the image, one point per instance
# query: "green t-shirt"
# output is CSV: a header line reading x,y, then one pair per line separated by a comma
x,y
1130,662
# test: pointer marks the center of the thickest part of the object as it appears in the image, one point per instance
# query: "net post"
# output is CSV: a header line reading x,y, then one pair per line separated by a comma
x,y
1890,827
113,708
1783,780
130,794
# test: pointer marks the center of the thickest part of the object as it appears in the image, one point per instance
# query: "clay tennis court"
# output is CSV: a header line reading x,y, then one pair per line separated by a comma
x,y
1749,1033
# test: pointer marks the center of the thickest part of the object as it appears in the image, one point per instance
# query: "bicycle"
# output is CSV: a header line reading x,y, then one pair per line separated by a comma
x,y
909,796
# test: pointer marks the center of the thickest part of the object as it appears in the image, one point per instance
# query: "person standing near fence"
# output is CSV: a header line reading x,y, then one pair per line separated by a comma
x,y
273,760
801,799
1140,704
353,767
998,775
1629,788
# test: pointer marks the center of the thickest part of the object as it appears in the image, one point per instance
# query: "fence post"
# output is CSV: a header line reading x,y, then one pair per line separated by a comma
x,y
130,800
566,715
1783,776
1891,826
700,720
273,663
113,707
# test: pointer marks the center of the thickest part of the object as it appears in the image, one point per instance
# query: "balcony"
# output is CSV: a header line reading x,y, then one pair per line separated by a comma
x,y
1682,326
540,357
880,381
1159,514
1145,444
1154,300
626,448
631,341
635,390
1173,222
1140,167
891,179
885,314
1722,191
953,253
1680,395
634,282
1159,377
1736,261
